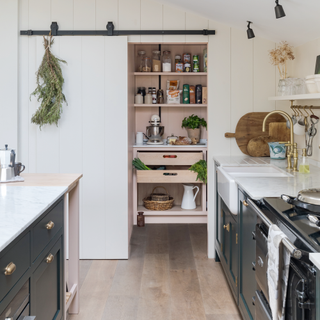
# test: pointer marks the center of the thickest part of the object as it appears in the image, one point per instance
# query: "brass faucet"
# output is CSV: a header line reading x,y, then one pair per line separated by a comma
x,y
292,146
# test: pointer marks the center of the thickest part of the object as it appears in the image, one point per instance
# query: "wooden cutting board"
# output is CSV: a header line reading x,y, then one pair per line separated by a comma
x,y
250,126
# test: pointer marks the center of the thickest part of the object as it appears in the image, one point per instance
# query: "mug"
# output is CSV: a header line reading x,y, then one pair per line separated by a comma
x,y
139,138
299,129
277,150
17,168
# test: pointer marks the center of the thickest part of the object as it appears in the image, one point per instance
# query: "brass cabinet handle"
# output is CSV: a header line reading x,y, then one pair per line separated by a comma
x,y
50,225
245,203
227,227
49,258
10,269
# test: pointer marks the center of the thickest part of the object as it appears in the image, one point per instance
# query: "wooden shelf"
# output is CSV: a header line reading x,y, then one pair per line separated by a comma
x,y
307,96
171,105
187,74
175,211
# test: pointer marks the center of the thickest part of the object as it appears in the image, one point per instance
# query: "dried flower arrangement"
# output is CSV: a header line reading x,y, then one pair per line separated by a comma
x,y
279,57
49,88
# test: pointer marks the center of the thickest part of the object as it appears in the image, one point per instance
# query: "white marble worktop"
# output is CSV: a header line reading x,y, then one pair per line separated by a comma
x,y
21,206
258,188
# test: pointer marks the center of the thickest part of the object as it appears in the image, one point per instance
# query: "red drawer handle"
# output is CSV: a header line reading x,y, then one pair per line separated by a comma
x,y
170,156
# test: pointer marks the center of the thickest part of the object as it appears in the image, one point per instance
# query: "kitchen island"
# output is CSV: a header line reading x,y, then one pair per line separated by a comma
x,y
23,207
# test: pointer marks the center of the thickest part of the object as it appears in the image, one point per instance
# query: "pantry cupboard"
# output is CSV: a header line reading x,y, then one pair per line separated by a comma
x,y
176,159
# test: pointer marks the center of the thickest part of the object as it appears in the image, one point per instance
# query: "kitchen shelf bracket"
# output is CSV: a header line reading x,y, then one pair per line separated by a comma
x,y
111,32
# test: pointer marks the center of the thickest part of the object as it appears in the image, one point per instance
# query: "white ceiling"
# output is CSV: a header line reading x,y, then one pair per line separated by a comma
x,y
301,24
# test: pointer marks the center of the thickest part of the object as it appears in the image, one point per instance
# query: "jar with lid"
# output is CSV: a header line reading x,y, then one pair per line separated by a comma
x,y
177,58
156,61
160,97
146,64
154,95
166,61
141,56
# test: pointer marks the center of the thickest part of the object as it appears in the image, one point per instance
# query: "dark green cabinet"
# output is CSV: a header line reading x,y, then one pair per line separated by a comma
x,y
247,283
42,277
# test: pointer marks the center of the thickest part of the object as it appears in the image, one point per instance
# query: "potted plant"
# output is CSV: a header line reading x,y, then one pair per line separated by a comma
x,y
193,125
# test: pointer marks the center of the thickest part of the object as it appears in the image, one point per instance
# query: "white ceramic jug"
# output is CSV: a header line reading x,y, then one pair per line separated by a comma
x,y
188,200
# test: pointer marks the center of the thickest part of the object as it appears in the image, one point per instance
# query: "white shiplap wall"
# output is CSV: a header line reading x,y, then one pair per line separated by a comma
x,y
240,80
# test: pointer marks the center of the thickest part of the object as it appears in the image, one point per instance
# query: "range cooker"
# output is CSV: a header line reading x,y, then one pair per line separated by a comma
x,y
303,238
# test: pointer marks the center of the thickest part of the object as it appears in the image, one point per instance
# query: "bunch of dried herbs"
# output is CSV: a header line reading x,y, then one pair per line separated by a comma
x,y
279,57
200,168
49,88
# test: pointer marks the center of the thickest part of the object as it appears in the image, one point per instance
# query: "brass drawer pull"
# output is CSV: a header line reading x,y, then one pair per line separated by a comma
x,y
49,258
10,269
245,203
50,225
227,227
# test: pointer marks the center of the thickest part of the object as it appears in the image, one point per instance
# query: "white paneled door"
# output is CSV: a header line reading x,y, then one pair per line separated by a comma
x,y
92,136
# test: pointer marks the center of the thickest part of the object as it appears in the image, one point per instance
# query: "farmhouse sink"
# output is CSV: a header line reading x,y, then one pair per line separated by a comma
x,y
227,187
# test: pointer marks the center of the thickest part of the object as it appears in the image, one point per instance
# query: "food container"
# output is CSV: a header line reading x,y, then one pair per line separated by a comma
x,y
186,58
199,94
146,64
192,94
186,94
277,150
171,139
166,61
187,67
205,60
141,56
160,97
179,67
173,96
156,61
196,65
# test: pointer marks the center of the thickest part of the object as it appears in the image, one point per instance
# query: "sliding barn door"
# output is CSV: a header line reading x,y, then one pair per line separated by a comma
x,y
92,136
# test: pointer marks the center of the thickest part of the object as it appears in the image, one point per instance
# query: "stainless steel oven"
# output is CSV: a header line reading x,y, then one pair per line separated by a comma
x,y
300,302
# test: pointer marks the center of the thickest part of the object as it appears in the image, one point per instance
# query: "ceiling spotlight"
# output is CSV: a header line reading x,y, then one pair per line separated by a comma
x,y
279,10
250,32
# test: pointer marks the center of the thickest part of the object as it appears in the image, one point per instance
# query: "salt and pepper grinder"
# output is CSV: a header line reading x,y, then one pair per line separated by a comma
x,y
140,219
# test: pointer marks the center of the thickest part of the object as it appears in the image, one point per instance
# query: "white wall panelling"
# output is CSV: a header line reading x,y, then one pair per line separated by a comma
x,y
9,73
240,77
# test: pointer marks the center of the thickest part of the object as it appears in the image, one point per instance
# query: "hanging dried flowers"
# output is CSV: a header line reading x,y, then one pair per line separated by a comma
x,y
279,57
49,88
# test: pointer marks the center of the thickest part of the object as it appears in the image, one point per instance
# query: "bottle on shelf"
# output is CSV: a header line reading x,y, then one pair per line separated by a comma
x,y
141,56
304,166
156,61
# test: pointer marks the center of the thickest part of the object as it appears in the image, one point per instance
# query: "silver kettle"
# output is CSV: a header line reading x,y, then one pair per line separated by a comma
x,y
7,157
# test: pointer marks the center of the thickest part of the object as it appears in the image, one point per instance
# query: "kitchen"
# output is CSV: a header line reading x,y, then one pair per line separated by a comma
x,y
240,80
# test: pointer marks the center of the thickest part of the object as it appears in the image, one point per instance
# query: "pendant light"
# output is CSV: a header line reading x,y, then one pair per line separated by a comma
x,y
250,32
279,10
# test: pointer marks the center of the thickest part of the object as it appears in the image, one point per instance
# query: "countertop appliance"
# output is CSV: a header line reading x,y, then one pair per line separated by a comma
x,y
7,163
155,131
303,238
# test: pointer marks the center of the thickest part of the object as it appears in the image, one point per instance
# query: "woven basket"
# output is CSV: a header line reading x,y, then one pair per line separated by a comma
x,y
160,196
158,205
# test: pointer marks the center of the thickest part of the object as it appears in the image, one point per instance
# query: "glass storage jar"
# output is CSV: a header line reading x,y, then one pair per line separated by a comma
x,y
141,55
146,64
166,61
156,61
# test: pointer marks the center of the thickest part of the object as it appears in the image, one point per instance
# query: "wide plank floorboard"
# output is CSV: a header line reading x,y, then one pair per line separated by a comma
x,y
167,277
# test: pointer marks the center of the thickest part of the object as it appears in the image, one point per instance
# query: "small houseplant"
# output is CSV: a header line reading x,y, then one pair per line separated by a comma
x,y
200,168
193,125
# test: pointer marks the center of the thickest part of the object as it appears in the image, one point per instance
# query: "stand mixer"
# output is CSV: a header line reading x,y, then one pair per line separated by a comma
x,y
155,131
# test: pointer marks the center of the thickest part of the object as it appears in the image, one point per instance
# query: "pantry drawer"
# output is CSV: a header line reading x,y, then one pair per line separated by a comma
x,y
166,176
170,158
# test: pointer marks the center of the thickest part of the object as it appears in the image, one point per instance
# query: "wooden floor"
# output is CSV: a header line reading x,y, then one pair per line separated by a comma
x,y
168,277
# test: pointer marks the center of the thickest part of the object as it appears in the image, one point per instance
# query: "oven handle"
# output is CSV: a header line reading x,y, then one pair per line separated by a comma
x,y
294,251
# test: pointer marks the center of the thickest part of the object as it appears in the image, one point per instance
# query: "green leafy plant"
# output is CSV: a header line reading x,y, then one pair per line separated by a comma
x,y
200,168
49,88
193,122
139,165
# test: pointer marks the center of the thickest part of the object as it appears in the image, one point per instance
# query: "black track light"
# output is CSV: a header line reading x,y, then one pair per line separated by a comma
x,y
279,10
250,32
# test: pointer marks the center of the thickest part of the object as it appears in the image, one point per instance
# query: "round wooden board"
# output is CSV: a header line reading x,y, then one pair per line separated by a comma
x,y
250,126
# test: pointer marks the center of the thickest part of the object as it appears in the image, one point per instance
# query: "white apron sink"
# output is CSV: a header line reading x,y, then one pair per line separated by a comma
x,y
227,187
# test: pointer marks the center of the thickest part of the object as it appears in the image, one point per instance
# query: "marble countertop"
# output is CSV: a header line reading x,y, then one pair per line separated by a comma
x,y
21,206
258,188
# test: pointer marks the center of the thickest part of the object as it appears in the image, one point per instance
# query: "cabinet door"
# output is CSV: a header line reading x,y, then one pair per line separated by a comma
x,y
248,220
47,287
225,233
234,256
